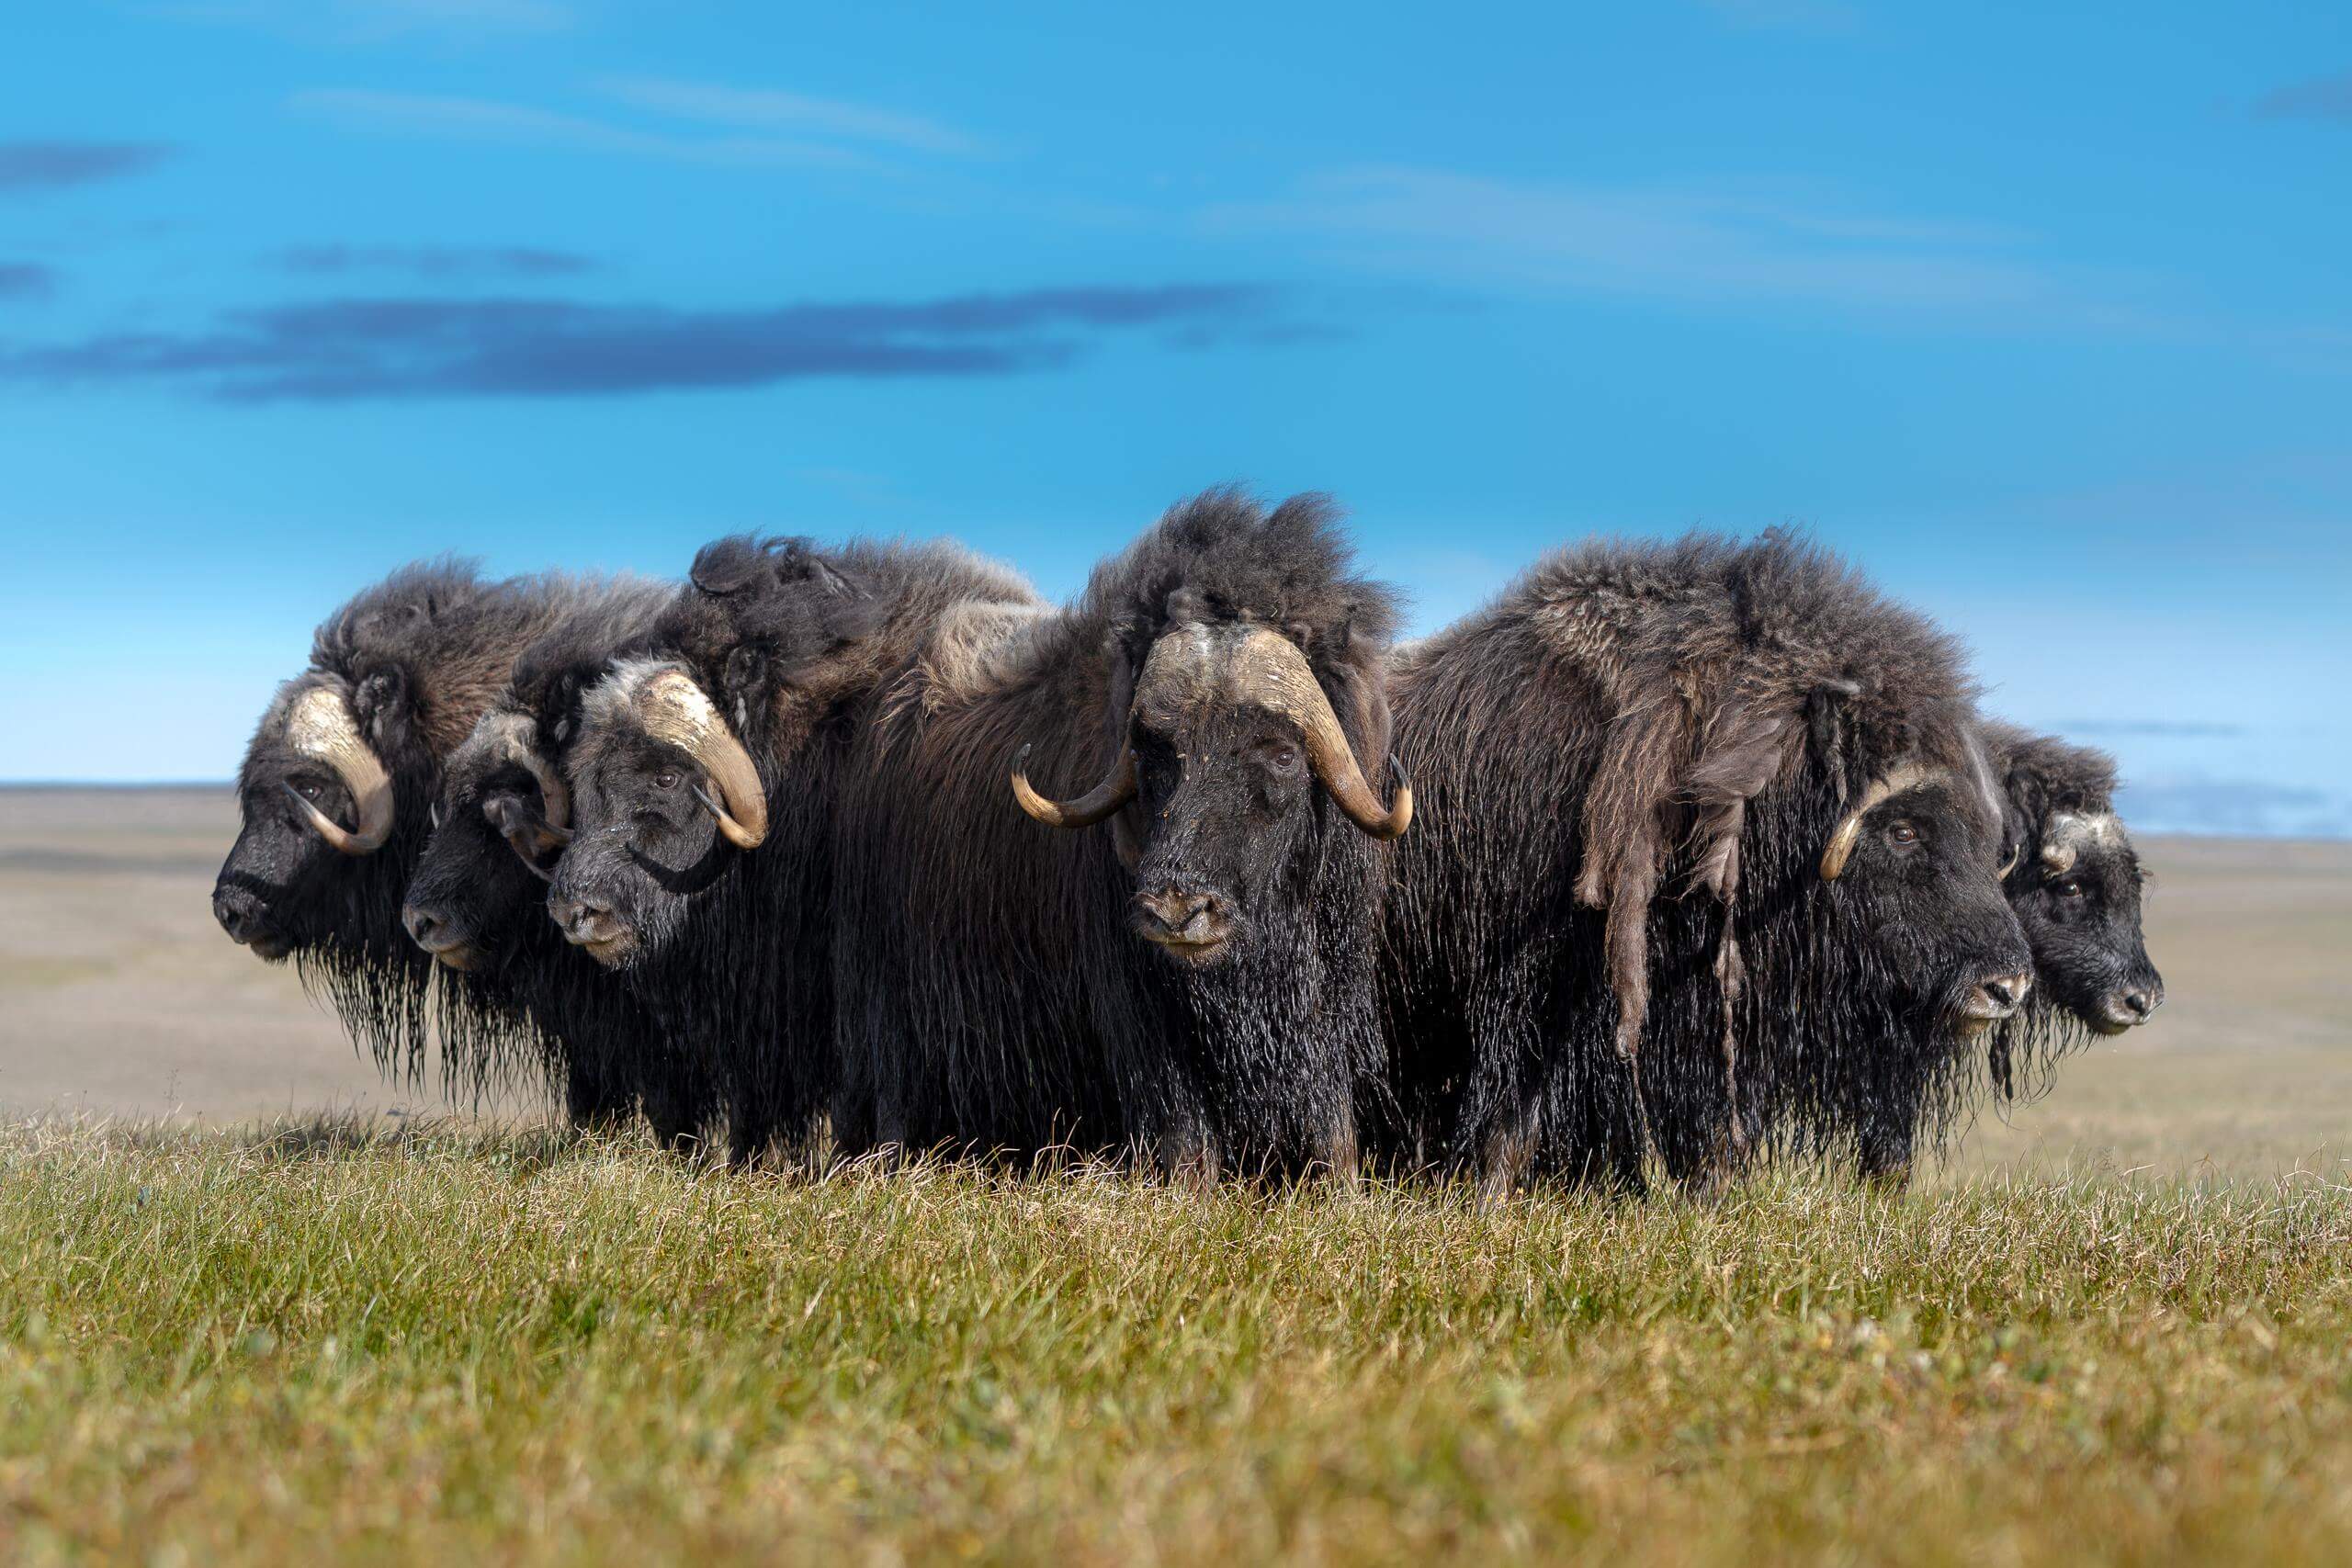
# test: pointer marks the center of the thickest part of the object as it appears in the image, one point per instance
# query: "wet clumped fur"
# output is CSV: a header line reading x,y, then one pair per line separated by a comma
x,y
526,1008
411,664
1000,996
2077,882
1629,925
792,646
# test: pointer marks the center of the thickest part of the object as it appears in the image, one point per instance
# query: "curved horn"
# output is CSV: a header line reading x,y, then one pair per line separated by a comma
x,y
1850,827
675,710
1272,670
2016,853
1117,788
320,727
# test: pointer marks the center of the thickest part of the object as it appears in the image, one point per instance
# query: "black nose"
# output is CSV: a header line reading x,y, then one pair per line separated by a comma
x,y
2140,1004
1175,910
236,914
423,925
2001,992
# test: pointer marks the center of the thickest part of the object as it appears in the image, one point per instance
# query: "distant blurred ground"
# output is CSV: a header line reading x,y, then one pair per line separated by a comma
x,y
118,996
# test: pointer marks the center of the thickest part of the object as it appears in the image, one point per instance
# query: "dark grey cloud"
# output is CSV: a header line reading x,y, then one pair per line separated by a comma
x,y
23,281
46,165
439,261
2322,97
405,348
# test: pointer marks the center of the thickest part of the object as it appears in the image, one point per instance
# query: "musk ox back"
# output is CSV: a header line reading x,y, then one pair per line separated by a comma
x,y
704,787
338,782
1175,956
518,998
1710,838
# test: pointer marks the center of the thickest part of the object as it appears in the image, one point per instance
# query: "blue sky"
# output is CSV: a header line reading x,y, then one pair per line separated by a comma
x,y
2045,318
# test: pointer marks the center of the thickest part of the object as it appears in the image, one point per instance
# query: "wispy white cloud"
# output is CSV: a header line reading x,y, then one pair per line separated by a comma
x,y
484,120
1694,244
769,110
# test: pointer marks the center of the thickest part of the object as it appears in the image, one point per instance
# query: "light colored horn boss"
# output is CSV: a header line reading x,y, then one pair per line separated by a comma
x,y
1272,670
1840,849
675,710
321,727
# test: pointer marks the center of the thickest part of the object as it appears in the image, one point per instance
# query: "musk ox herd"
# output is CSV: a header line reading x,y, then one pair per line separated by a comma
x,y
1676,860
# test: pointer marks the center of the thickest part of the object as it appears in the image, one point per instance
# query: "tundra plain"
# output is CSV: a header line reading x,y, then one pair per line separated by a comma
x,y
256,1305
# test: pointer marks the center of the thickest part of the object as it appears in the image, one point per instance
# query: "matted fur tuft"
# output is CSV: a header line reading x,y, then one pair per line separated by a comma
x,y
1610,934
994,997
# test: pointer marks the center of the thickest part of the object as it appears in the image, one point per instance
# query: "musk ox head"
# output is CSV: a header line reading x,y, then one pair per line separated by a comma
x,y
1915,866
667,774
1240,712
2076,895
665,794
317,801
500,823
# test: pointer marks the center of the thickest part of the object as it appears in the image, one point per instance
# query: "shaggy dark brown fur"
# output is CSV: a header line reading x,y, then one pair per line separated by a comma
x,y
2077,886
416,658
1613,931
515,997
795,646
996,996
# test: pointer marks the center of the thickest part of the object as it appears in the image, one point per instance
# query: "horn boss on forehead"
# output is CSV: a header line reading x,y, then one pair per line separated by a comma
x,y
514,737
1184,668
320,727
1907,776
675,710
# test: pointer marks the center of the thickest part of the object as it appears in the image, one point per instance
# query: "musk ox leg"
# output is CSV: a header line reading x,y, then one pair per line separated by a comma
x,y
591,1102
1336,1153
670,1109
1882,1156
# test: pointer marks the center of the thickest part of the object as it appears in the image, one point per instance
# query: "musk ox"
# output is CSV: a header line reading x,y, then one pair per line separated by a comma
x,y
339,780
703,789
1709,860
2076,883
1167,948
511,985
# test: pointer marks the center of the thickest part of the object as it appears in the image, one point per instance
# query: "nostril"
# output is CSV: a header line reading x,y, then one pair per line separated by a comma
x,y
231,918
422,924
2000,993
2140,1004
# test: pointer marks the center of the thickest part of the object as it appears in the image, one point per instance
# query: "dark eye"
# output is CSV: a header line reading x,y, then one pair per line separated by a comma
x,y
1282,759
1903,833
666,779
307,790
2070,889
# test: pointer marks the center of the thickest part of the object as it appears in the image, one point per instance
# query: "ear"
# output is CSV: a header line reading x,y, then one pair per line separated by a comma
x,y
380,703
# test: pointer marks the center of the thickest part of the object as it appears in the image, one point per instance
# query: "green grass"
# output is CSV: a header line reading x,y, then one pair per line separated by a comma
x,y
450,1344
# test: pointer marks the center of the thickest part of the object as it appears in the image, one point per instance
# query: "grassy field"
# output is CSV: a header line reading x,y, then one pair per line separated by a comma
x,y
453,1343
2113,1328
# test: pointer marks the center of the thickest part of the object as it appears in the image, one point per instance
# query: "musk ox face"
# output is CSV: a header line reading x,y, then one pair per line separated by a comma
x,y
315,802
1229,737
663,798
1916,870
500,826
2078,901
